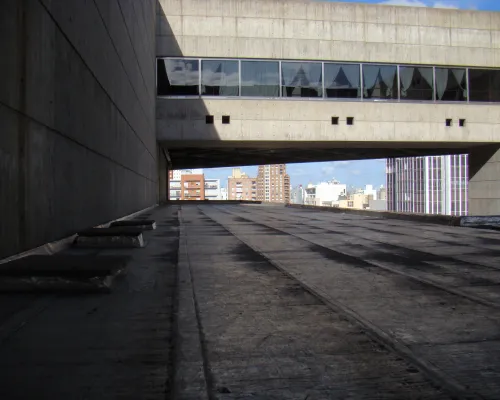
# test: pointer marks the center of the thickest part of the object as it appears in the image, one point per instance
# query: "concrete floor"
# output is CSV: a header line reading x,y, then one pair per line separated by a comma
x,y
256,302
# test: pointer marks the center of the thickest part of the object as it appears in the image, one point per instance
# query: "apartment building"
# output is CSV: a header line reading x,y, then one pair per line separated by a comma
x,y
273,184
192,187
241,187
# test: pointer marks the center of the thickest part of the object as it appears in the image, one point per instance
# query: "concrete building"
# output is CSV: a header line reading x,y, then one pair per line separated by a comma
x,y
370,191
223,194
89,131
382,193
192,187
241,187
273,183
432,185
357,200
424,81
298,195
212,189
325,193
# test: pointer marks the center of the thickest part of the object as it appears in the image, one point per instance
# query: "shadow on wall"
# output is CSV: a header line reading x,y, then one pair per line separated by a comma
x,y
193,109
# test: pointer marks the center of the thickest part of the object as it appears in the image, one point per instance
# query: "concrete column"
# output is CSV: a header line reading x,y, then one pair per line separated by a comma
x,y
484,180
163,180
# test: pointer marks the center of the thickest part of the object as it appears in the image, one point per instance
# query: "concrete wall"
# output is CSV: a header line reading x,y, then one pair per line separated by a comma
x,y
316,30
484,180
77,106
309,120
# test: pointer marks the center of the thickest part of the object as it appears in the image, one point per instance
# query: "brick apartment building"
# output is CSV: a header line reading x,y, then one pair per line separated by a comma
x,y
273,184
241,187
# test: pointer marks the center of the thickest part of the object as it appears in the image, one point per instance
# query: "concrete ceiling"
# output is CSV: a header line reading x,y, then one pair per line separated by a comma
x,y
227,154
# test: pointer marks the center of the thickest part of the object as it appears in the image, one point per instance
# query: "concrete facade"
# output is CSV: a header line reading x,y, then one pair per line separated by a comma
x,y
77,106
278,131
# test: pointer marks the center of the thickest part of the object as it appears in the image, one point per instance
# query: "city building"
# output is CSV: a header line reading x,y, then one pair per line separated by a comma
x,y
431,185
298,195
382,193
193,187
241,187
212,189
357,200
325,193
370,191
223,194
273,183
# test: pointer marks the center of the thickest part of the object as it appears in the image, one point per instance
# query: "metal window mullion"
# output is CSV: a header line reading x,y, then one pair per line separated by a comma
x,y
467,84
281,79
434,86
199,76
323,79
239,78
399,82
361,82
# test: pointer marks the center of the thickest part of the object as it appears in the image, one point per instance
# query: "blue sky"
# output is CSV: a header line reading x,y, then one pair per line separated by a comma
x,y
356,173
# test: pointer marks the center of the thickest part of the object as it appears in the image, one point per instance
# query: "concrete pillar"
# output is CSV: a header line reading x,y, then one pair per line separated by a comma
x,y
162,176
484,180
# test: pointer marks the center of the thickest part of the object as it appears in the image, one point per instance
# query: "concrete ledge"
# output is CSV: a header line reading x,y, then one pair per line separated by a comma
x,y
427,218
110,237
482,222
61,273
145,225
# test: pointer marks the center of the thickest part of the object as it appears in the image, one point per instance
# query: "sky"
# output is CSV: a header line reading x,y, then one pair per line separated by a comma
x,y
355,173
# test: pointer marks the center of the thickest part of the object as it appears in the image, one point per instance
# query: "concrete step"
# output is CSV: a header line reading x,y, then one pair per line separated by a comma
x,y
123,236
61,273
146,224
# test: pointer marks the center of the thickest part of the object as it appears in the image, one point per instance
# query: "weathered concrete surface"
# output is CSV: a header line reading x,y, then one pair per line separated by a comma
x,y
433,289
113,346
484,183
147,225
394,310
77,110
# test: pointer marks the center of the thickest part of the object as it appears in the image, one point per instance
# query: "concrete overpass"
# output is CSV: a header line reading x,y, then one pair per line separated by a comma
x,y
404,113
81,119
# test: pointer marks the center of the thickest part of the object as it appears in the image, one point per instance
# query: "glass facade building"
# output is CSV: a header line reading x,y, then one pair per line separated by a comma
x,y
188,77
431,185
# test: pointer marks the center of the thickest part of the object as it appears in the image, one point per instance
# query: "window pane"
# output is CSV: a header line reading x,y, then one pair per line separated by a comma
x,y
177,77
219,78
380,82
302,79
342,80
260,78
416,83
484,85
451,84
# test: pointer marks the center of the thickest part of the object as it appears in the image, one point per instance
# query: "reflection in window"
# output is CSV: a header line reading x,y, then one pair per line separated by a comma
x,y
178,77
219,78
260,78
302,79
380,81
484,85
416,83
342,80
451,84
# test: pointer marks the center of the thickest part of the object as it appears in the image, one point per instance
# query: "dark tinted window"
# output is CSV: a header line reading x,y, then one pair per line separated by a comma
x,y
177,77
342,80
301,79
484,85
260,78
451,84
416,83
380,82
219,78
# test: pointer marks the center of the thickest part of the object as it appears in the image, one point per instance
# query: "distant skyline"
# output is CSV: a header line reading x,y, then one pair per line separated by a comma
x,y
352,173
